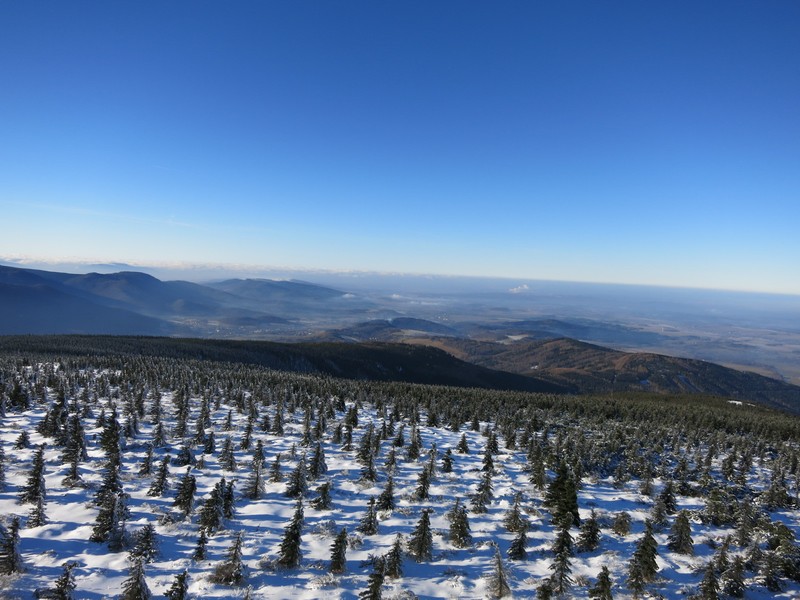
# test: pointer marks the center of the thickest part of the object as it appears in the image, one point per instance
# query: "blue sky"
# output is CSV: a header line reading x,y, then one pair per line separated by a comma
x,y
632,142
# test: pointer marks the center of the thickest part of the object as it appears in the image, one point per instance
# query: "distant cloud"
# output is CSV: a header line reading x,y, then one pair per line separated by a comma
x,y
519,289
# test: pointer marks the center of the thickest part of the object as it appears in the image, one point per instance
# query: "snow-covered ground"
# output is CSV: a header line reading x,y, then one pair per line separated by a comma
x,y
452,572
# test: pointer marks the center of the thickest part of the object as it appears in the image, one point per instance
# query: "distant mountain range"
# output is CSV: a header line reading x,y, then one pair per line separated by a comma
x,y
531,355
129,302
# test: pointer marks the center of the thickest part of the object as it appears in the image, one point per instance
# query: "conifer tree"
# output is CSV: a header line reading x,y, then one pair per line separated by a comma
x,y
34,488
499,586
317,467
10,558
517,550
709,586
483,495
642,567
2,467
297,485
338,552
227,458
422,492
368,472
394,559
680,537
732,580
375,581
622,523
460,535
562,565
255,485
463,446
200,548
290,553
514,521
769,572
159,483
447,461
213,510
37,517
589,538
386,497
275,474
601,590
184,495
145,544
231,570
667,496
179,589
323,500
369,522
135,587
65,584
562,496
420,545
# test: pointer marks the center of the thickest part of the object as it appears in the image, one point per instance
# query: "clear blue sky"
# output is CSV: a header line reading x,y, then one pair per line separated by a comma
x,y
636,142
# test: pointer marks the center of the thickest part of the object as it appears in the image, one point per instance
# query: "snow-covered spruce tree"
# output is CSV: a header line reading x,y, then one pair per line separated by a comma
x,y
109,526
642,567
179,589
145,544
601,590
483,495
290,553
213,511
447,461
517,550
422,491
769,572
368,471
513,520
323,500
667,496
460,535
2,468
394,559
562,495
732,580
589,538
227,459
369,522
339,552
709,586
231,570
200,549
135,587
255,486
498,584
420,544
317,467
184,494
34,487
297,485
146,467
463,446
37,516
562,564
159,484
680,536
375,581
622,523
65,585
10,558
275,474
385,499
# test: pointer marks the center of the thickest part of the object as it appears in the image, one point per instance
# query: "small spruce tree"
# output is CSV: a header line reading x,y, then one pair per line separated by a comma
x,y
290,553
339,552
